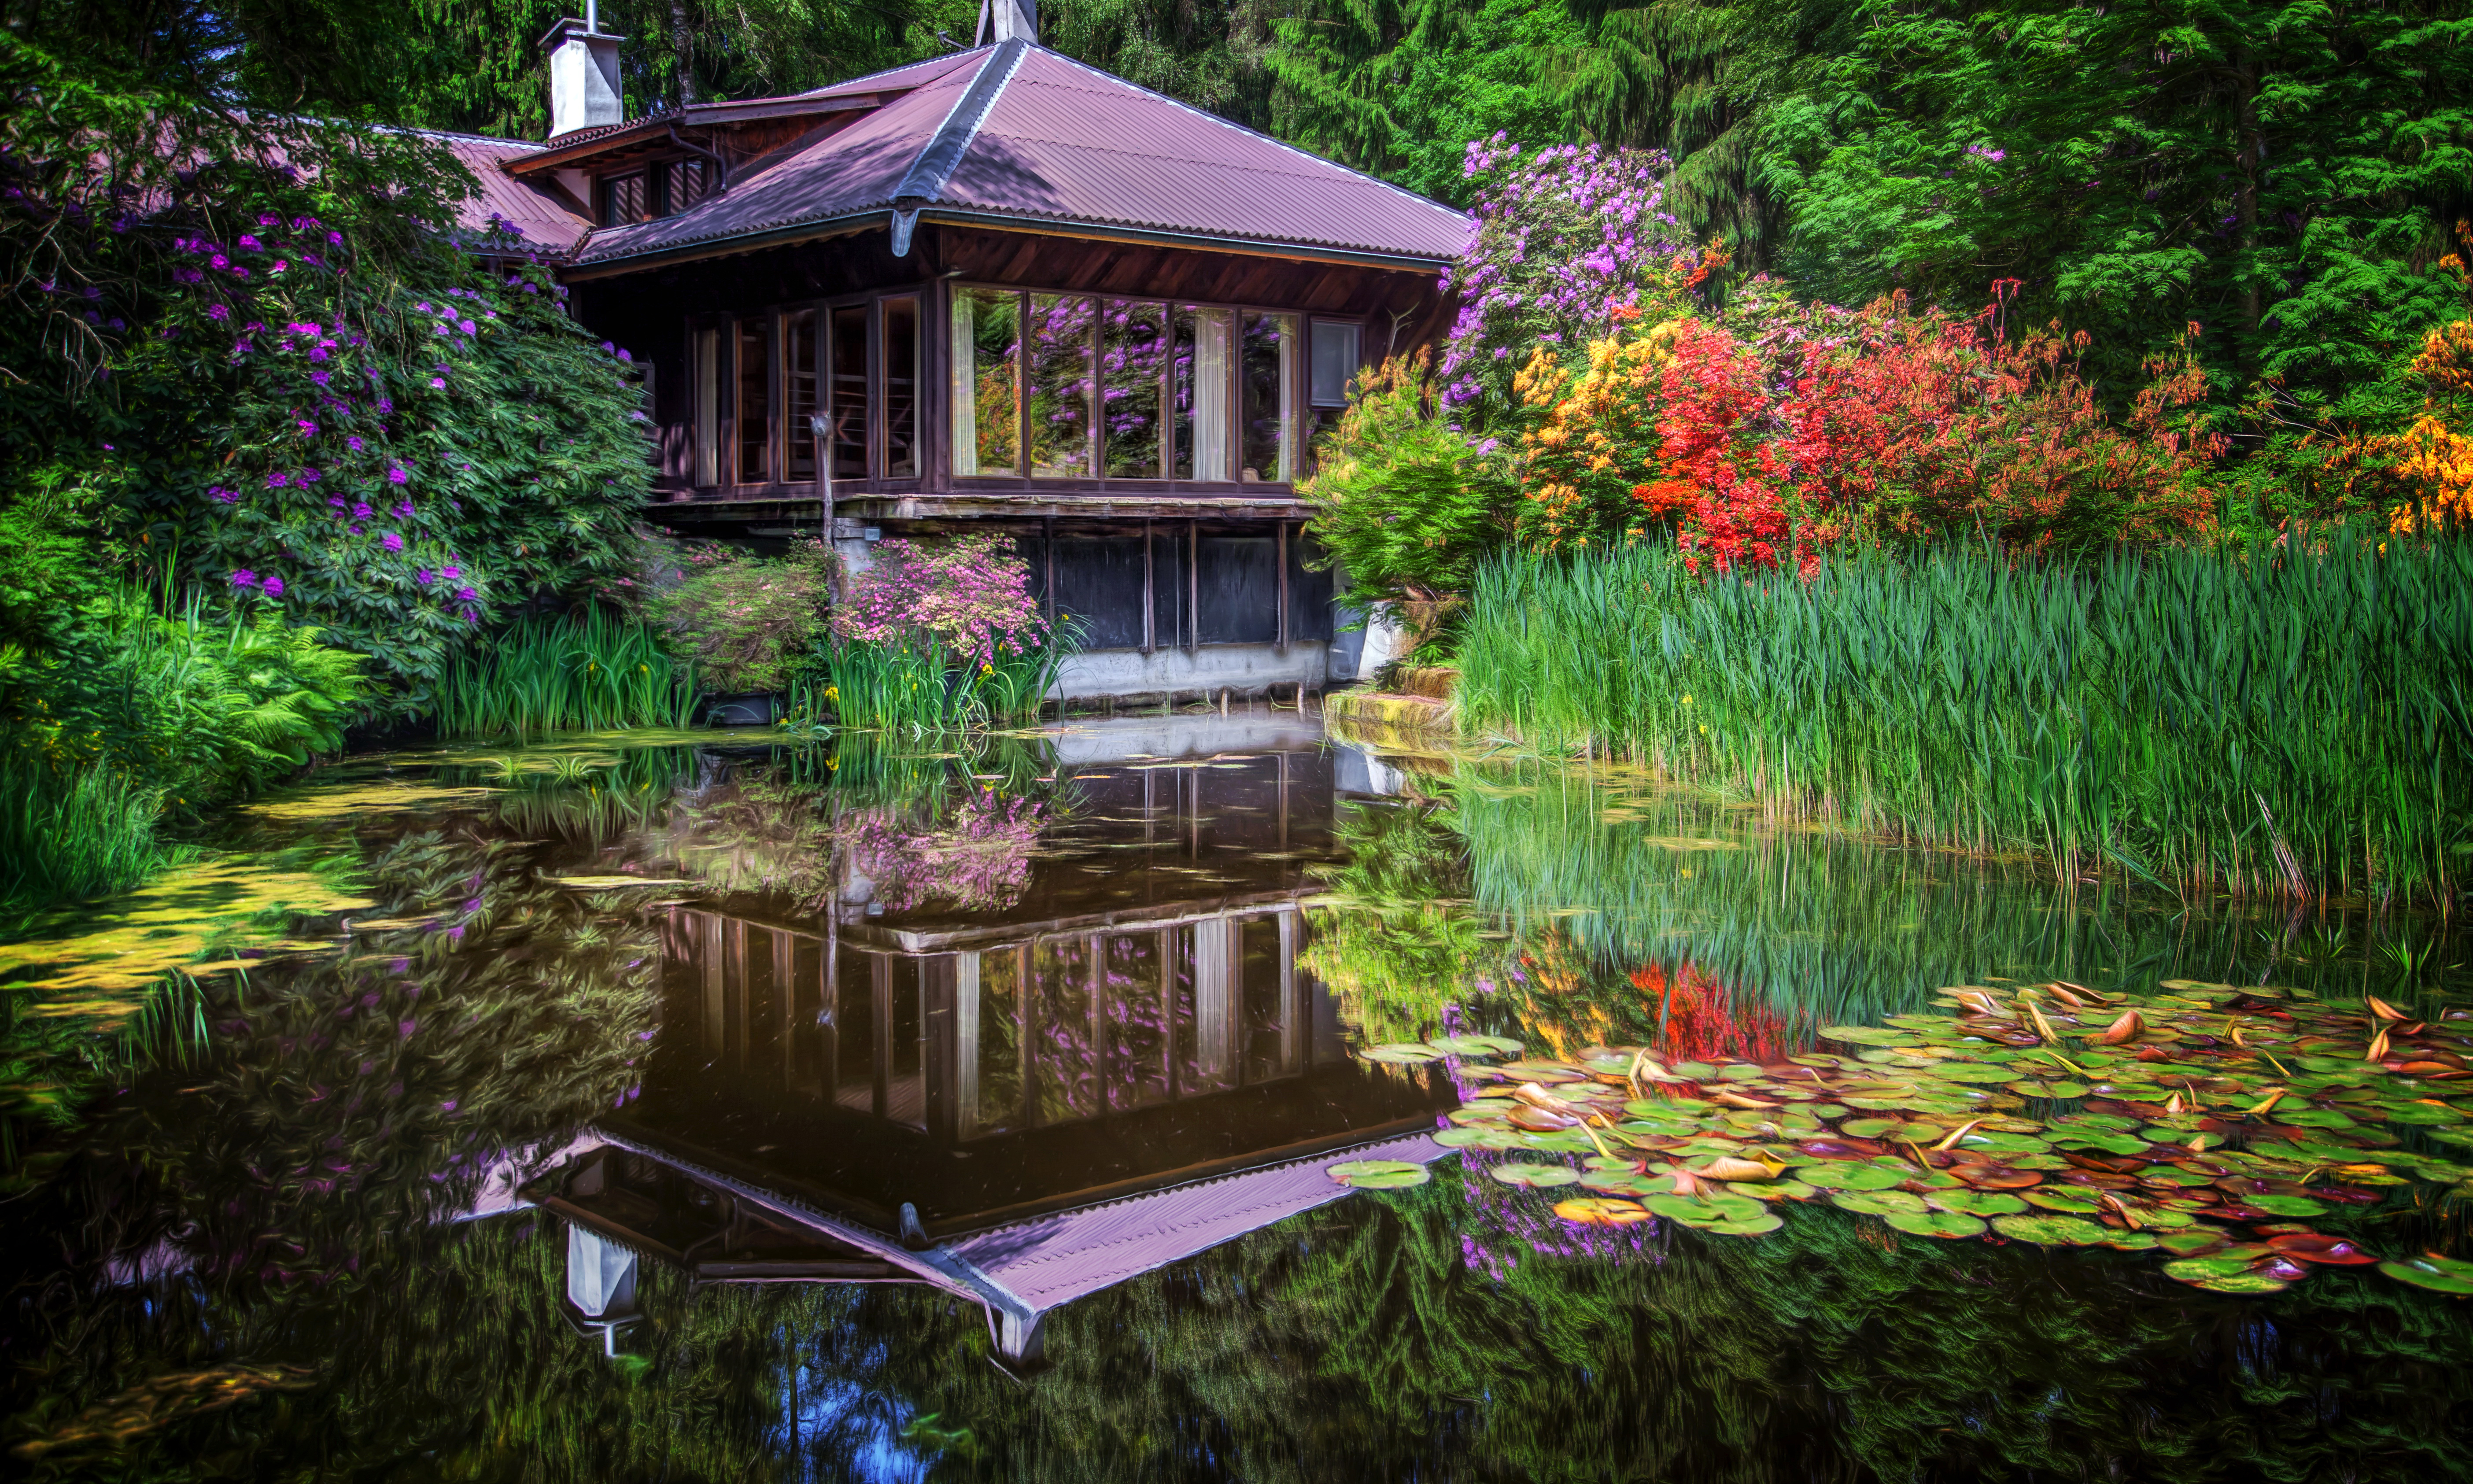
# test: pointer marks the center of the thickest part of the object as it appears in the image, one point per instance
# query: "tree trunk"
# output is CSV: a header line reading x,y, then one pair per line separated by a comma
x,y
683,44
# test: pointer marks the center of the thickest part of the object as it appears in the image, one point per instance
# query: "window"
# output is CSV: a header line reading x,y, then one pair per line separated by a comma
x,y
1058,386
902,388
1133,378
1334,362
690,181
1266,383
798,388
1199,389
625,199
754,401
847,413
986,382
708,408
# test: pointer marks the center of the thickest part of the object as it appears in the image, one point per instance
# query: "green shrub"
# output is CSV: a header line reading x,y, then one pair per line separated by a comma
x,y
1402,503
124,718
585,673
746,621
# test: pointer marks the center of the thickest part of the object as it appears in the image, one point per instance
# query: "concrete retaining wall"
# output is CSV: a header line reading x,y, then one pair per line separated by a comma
x,y
1244,669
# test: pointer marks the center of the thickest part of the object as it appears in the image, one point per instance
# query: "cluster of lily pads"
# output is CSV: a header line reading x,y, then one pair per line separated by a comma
x,y
2219,1125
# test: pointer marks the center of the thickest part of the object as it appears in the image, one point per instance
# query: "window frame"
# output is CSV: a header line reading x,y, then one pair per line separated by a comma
x,y
727,326
1298,412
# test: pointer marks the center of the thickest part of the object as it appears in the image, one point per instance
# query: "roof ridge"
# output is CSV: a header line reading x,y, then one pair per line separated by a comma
x,y
1271,139
886,72
942,154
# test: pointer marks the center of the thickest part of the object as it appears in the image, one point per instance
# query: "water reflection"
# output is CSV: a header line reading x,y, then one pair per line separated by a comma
x,y
1082,1006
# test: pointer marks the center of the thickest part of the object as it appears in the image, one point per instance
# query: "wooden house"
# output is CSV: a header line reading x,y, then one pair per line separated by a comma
x,y
995,289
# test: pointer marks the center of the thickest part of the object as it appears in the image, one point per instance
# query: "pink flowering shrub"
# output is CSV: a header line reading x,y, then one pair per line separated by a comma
x,y
969,594
1566,236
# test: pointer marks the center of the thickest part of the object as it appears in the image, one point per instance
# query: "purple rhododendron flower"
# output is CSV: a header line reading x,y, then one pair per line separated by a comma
x,y
465,595
438,381
423,576
218,312
244,578
361,512
451,573
397,475
275,586
353,443
393,541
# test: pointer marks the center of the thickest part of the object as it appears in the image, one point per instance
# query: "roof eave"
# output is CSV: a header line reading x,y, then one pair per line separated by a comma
x,y
847,223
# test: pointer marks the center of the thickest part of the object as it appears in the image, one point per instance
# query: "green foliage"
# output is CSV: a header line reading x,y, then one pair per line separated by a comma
x,y
1392,936
744,621
1403,503
916,684
123,716
2288,722
587,672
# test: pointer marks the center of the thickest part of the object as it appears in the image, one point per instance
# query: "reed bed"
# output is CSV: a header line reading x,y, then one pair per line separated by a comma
x,y
2292,723
922,687
591,673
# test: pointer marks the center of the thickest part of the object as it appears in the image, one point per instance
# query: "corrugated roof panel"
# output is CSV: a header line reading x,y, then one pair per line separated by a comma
x,y
917,74
1065,140
540,212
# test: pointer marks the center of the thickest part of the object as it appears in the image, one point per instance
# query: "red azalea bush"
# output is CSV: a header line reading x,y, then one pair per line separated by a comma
x,y
1775,430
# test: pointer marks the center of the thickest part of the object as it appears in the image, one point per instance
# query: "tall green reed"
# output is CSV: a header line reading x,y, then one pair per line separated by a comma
x,y
593,671
2293,722
921,685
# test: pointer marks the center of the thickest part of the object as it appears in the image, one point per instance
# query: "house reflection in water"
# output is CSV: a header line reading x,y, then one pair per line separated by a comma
x,y
1019,1107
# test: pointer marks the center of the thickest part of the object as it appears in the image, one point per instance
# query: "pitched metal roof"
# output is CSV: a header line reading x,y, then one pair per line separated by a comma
x,y
1017,131
542,213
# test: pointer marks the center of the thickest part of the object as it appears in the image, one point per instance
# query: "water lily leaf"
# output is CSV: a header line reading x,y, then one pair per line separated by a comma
x,y
2314,1119
1756,1225
1778,1190
2075,1200
1547,1073
2440,1275
1625,1183
2421,1115
1848,1175
1534,1176
1566,1143
1401,1054
1602,1214
1695,1072
1971,1072
1378,1174
2051,1231
1977,1203
1463,1138
2286,1205
2243,1283
1877,1203
1869,1128
2036,1087
1476,1045
2192,1242
1869,1036
2314,1247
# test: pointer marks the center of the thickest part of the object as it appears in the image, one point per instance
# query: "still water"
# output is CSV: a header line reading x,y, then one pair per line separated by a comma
x,y
698,1108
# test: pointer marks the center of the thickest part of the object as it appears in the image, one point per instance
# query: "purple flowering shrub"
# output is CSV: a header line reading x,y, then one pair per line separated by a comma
x,y
271,380
1566,235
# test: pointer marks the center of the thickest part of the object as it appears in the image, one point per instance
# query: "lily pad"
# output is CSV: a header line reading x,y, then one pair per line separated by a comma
x,y
1848,1175
1534,1176
2421,1115
1761,1225
1938,1223
1878,1203
1869,1036
1476,1045
1378,1174
2051,1231
2440,1275
1602,1214
2195,1242
1402,1054
1977,1203
2243,1283
1973,1073
2313,1247
2313,1119
1778,1190
2035,1087
2075,1200
2286,1205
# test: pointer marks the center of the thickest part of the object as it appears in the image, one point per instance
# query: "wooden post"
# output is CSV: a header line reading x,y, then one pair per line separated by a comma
x,y
1282,630
1150,597
1194,583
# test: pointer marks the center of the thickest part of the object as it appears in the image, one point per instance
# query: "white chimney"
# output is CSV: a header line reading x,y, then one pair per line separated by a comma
x,y
1015,18
583,76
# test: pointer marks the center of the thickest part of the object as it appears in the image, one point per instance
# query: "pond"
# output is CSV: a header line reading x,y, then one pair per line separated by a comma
x,y
696,1106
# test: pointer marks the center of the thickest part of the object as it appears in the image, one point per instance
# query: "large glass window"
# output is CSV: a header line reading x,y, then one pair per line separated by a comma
x,y
1058,387
902,388
625,199
986,394
1334,362
1198,391
708,408
1265,383
754,401
847,391
1133,373
798,386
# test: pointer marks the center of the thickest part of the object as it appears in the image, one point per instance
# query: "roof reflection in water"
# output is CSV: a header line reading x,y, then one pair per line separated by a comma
x,y
1023,1105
